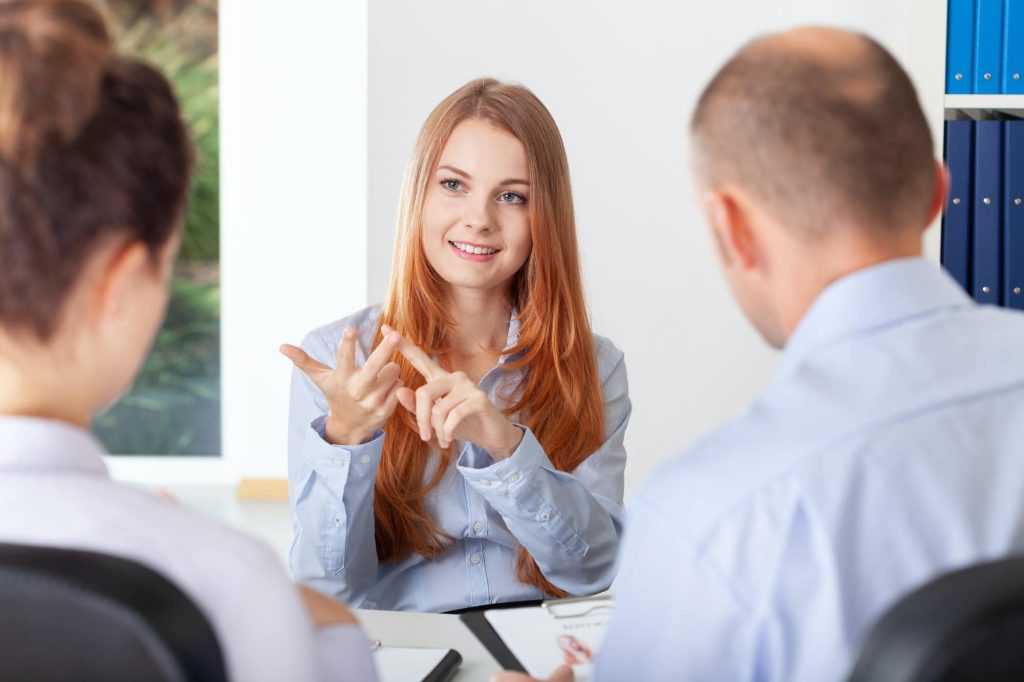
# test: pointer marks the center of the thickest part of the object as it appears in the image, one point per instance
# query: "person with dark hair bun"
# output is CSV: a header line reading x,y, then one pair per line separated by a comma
x,y
94,171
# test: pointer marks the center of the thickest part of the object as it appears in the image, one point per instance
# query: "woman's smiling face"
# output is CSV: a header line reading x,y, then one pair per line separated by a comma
x,y
476,219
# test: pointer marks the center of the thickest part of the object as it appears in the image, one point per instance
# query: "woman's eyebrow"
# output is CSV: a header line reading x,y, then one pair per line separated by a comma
x,y
457,171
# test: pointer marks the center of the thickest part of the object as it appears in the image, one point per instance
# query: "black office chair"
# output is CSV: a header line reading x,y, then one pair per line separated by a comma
x,y
74,615
965,625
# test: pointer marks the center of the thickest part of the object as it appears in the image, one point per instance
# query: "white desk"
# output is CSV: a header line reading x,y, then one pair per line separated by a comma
x,y
434,630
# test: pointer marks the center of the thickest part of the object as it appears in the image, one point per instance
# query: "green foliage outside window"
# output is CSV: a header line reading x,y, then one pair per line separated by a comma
x,y
174,406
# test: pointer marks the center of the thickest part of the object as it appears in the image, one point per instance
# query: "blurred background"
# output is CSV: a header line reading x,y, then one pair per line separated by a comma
x,y
174,408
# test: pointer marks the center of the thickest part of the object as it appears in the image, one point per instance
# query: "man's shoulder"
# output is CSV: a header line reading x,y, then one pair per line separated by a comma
x,y
729,467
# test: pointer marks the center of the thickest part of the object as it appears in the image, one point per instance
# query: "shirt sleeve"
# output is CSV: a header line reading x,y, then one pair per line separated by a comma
x,y
346,653
675,616
569,522
331,495
267,633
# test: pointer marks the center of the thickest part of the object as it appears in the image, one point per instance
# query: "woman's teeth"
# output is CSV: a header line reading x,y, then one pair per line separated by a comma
x,y
477,250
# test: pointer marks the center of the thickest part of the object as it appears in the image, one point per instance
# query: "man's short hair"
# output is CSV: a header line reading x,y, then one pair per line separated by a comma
x,y
819,139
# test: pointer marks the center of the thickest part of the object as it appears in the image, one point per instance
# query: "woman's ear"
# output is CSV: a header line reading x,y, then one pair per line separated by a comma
x,y
119,277
731,228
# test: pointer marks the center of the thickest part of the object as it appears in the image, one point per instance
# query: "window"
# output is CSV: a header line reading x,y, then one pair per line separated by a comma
x,y
174,407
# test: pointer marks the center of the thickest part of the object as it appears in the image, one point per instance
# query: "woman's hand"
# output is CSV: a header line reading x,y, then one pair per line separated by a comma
x,y
360,399
451,406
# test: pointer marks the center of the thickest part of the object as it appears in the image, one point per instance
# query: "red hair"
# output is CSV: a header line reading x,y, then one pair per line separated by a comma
x,y
561,398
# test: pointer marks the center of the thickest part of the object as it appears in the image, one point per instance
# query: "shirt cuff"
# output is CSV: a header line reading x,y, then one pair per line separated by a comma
x,y
582,672
489,477
358,461
345,653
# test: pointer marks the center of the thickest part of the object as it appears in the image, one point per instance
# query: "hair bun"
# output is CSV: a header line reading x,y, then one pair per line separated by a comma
x,y
63,44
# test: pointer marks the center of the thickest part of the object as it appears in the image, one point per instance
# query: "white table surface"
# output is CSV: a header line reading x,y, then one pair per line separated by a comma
x,y
432,630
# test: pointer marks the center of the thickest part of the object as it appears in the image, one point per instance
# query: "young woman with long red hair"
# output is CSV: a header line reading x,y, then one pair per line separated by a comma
x,y
462,444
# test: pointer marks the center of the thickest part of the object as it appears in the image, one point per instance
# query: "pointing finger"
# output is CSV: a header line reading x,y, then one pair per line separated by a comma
x,y
419,359
426,396
381,354
303,362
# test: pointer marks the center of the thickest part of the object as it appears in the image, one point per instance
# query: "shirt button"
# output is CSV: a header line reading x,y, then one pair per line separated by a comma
x,y
478,527
365,459
337,520
485,482
513,478
543,516
337,462
474,559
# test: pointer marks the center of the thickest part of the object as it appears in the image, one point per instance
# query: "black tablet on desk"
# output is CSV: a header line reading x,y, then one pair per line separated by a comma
x,y
409,664
537,639
476,621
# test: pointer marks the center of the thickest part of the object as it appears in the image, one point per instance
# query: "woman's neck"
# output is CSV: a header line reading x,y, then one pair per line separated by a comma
x,y
481,322
34,385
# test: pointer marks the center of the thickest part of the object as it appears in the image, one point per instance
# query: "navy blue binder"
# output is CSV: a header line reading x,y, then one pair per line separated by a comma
x,y
956,220
1013,47
988,47
1013,215
959,46
987,208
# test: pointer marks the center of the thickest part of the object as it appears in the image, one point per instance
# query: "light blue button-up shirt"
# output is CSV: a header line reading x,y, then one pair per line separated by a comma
x,y
570,522
888,448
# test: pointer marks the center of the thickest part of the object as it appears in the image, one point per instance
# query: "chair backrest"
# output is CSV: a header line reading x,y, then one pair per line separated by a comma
x,y
75,615
965,625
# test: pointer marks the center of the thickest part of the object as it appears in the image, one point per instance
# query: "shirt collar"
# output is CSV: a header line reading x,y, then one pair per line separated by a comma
x,y
32,444
513,337
871,298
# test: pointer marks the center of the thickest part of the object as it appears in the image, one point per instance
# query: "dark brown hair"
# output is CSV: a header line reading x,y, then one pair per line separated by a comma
x,y
818,139
92,150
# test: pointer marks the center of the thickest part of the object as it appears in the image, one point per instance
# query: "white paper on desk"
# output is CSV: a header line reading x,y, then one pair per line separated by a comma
x,y
542,642
406,664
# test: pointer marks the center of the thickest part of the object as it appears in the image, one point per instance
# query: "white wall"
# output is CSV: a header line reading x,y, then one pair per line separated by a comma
x,y
620,79
294,186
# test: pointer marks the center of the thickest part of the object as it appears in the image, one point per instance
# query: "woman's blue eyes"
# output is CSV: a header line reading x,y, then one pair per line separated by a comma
x,y
453,185
512,198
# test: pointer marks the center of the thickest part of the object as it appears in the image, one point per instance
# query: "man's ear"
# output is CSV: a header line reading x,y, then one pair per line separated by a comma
x,y
730,223
119,275
939,196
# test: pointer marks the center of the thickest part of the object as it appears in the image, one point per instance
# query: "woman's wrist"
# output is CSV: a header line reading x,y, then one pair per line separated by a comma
x,y
506,450
337,432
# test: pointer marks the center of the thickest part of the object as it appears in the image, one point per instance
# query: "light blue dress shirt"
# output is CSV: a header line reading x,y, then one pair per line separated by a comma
x,y
889,448
570,522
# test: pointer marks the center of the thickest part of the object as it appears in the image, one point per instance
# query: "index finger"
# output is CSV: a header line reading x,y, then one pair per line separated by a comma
x,y
423,363
380,356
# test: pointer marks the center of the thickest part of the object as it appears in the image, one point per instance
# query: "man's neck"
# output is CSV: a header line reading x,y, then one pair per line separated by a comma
x,y
833,262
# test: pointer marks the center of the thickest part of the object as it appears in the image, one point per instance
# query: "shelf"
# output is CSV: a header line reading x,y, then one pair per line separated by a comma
x,y
983,106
